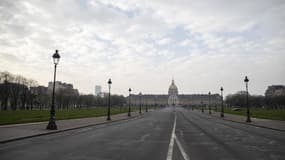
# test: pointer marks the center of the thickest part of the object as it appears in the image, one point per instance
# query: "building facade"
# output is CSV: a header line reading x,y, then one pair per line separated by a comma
x,y
173,95
61,86
275,90
98,90
173,98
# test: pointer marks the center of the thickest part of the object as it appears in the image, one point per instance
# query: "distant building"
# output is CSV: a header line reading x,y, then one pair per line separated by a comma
x,y
173,98
173,94
104,94
61,86
275,90
98,90
39,90
242,93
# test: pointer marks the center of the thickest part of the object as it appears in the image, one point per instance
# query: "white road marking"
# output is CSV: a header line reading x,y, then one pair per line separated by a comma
x,y
171,144
185,156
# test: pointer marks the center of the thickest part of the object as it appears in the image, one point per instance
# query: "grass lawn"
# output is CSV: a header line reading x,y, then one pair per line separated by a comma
x,y
277,114
23,116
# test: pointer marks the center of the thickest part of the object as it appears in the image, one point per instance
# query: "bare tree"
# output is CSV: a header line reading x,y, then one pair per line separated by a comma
x,y
5,79
31,96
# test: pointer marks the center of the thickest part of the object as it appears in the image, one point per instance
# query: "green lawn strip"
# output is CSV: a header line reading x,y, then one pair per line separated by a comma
x,y
23,116
261,113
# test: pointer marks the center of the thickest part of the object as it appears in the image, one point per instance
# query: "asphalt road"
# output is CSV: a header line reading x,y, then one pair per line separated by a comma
x,y
160,135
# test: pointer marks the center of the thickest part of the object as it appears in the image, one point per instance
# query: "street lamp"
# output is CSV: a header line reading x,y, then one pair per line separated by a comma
x,y
210,103
202,105
222,102
146,106
129,112
109,102
247,106
140,94
155,102
52,125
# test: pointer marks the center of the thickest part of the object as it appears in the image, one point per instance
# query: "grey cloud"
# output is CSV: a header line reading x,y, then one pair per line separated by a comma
x,y
94,36
9,58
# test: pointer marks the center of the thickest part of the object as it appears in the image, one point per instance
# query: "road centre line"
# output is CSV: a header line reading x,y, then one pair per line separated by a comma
x,y
171,144
185,156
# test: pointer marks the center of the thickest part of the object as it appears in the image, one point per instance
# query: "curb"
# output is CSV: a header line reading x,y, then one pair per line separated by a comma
x,y
256,125
69,129
249,123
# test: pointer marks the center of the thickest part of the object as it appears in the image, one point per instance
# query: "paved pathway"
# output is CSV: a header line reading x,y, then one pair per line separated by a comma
x,y
20,131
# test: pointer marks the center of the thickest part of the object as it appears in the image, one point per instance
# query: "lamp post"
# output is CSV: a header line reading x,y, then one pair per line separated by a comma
x,y
247,106
140,94
155,102
222,102
52,125
129,112
109,100
210,103
146,106
202,105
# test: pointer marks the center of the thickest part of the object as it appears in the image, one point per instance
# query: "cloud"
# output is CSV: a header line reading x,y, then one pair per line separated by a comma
x,y
164,41
141,44
185,43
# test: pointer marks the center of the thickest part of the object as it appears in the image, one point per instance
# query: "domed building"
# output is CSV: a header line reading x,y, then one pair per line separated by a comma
x,y
173,94
174,99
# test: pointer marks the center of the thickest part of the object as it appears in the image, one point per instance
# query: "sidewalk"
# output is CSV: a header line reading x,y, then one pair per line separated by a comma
x,y
14,132
264,123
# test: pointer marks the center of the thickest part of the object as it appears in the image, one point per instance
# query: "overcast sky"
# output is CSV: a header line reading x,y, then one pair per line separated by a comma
x,y
140,44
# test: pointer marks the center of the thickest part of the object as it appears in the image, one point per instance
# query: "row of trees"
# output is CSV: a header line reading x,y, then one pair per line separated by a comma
x,y
67,101
258,101
91,100
14,91
18,92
